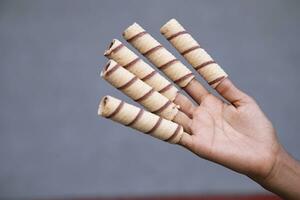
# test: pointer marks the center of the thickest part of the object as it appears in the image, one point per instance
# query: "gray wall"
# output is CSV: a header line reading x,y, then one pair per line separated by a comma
x,y
53,144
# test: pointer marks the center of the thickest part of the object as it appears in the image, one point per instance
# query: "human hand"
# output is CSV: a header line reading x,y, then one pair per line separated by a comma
x,y
237,135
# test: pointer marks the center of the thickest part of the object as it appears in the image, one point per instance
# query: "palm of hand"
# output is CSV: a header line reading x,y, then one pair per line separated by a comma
x,y
234,137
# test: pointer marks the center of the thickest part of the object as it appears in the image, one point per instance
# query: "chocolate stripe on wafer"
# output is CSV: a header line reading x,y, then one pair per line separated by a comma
x,y
190,50
117,110
149,76
163,107
183,78
168,64
129,83
145,96
204,64
216,80
166,88
137,117
176,132
155,126
152,50
136,36
177,34
131,63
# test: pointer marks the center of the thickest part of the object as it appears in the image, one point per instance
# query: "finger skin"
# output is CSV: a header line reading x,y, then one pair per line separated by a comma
x,y
183,120
196,91
185,141
185,104
232,94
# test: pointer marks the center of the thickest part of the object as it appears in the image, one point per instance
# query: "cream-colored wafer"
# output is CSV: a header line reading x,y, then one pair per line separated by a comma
x,y
138,90
140,119
193,53
130,61
158,55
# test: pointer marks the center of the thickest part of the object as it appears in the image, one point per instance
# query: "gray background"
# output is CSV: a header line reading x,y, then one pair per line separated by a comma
x,y
53,144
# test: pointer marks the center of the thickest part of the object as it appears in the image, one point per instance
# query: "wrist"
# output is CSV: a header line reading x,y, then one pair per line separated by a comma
x,y
282,160
284,176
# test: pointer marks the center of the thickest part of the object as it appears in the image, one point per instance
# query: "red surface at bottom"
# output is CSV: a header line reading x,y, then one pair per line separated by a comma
x,y
220,197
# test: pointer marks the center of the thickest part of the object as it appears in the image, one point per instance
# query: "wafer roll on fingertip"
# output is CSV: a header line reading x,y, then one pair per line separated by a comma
x,y
139,91
158,55
193,53
118,52
140,119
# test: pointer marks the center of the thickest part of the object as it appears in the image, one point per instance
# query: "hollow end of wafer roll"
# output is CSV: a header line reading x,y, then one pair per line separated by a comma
x,y
115,43
110,65
102,108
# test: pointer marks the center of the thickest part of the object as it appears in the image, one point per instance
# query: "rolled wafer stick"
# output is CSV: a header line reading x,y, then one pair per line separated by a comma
x,y
158,55
139,91
140,119
193,53
130,61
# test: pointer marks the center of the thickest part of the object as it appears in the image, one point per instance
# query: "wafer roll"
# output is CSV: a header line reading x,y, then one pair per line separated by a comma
x,y
130,61
193,53
139,119
139,91
158,55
